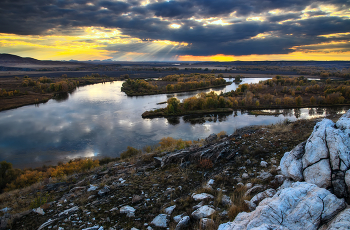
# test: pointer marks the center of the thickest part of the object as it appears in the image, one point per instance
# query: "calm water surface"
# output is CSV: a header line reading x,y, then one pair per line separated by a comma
x,y
100,120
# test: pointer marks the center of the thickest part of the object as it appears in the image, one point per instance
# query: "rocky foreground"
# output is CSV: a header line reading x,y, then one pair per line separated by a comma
x,y
243,181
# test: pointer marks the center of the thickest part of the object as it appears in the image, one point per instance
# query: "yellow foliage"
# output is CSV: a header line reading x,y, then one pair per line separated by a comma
x,y
29,177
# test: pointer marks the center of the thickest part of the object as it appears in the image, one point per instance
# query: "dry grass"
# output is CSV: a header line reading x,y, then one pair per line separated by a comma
x,y
238,202
281,127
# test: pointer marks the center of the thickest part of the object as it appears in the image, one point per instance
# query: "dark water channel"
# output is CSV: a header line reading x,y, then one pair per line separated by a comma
x,y
100,120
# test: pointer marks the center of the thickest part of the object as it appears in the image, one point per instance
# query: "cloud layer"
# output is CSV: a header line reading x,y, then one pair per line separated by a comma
x,y
241,27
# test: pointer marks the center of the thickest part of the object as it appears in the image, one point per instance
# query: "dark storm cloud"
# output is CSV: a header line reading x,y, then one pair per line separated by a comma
x,y
151,22
172,9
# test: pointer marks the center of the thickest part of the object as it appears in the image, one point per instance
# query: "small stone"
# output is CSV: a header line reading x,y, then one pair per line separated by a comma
x,y
130,211
202,196
183,223
92,188
249,185
198,205
39,211
136,198
170,209
211,182
178,217
202,212
160,221
206,223
263,164
103,191
264,175
255,189
245,176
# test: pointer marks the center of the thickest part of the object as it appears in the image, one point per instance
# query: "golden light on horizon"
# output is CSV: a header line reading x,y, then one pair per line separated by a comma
x,y
294,56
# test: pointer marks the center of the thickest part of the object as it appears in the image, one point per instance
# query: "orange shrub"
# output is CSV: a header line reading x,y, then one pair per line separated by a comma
x,y
205,164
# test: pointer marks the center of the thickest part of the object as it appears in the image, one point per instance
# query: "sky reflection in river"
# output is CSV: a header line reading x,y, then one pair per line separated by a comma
x,y
101,120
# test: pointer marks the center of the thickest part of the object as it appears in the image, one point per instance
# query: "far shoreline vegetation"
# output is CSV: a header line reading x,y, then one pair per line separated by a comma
x,y
19,92
173,84
276,93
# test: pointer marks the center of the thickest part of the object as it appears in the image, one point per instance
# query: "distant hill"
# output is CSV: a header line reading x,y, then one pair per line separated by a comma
x,y
14,60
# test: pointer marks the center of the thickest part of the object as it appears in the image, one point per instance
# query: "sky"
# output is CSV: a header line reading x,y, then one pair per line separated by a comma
x,y
194,30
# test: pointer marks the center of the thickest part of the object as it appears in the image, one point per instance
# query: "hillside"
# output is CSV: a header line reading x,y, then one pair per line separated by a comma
x,y
10,60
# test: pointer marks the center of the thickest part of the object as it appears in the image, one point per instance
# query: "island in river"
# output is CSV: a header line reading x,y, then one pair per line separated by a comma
x,y
276,93
173,84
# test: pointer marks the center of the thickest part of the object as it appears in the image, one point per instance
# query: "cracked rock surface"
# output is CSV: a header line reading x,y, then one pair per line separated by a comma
x,y
324,159
302,206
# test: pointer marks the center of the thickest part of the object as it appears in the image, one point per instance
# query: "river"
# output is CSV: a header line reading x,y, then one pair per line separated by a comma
x,y
100,120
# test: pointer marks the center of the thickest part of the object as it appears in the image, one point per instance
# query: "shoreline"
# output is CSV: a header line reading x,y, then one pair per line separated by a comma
x,y
36,98
161,112
195,112
179,91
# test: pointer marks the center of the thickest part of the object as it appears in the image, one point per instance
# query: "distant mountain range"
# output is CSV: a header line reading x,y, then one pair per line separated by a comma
x,y
6,59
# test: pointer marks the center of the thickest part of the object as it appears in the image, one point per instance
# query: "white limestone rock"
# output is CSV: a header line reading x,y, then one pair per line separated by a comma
x,y
161,221
263,164
325,158
104,191
286,184
39,211
248,185
302,206
255,189
291,163
344,122
202,196
264,175
130,211
179,217
170,209
200,204
202,212
319,174
183,223
206,223
92,188
211,182
259,197
316,146
245,176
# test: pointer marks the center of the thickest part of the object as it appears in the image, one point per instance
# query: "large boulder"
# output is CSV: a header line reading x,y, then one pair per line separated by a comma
x,y
291,164
324,160
301,206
